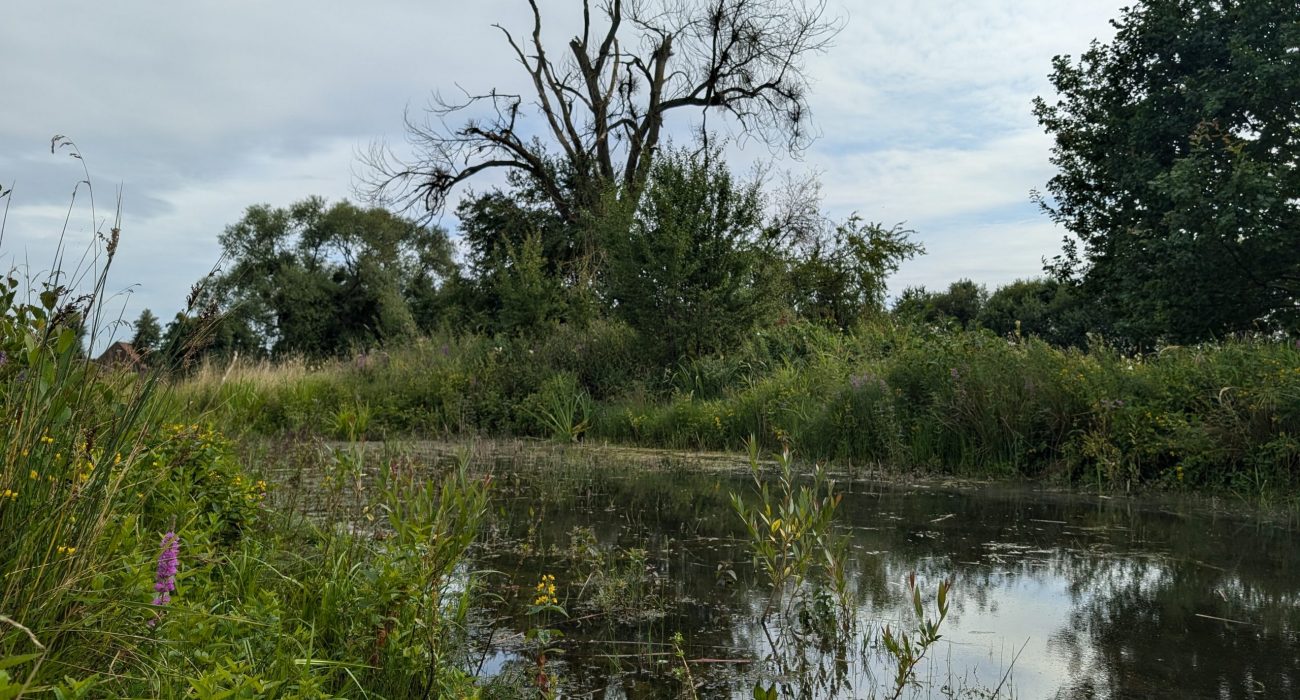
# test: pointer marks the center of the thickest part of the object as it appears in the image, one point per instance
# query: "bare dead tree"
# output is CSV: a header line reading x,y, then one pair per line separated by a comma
x,y
604,101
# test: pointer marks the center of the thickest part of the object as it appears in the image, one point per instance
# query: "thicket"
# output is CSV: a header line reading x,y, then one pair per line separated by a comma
x,y
903,395
139,556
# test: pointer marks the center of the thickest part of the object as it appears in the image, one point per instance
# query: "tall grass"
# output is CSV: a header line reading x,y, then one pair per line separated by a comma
x,y
99,478
1222,415
71,440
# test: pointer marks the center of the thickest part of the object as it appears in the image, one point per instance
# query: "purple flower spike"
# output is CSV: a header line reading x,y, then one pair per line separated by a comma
x,y
165,578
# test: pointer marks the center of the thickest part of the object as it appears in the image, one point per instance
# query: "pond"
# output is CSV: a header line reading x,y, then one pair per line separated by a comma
x,y
1054,595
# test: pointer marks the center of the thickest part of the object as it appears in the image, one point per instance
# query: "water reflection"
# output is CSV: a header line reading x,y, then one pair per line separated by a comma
x,y
1089,597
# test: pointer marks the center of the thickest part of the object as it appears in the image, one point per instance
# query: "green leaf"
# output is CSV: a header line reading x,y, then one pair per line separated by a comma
x,y
11,661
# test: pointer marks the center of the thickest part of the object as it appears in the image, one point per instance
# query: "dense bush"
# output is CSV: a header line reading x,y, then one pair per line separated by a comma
x,y
906,396
141,560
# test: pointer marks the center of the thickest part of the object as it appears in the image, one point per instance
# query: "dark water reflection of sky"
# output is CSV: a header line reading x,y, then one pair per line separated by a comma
x,y
1092,597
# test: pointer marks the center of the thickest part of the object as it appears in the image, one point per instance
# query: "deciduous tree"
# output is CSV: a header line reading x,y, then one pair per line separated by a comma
x,y
319,280
1178,156
602,101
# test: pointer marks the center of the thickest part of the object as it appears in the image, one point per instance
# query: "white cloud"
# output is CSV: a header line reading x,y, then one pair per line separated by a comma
x,y
989,252
933,184
199,109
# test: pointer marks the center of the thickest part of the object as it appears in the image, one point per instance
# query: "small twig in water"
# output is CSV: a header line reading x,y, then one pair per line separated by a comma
x,y
1007,675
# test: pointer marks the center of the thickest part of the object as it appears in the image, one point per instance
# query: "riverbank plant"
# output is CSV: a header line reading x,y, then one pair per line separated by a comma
x,y
142,557
1222,417
789,527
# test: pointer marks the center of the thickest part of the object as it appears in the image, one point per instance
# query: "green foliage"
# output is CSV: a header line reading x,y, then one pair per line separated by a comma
x,y
202,481
1044,308
71,440
908,650
148,334
561,408
317,280
685,273
266,604
530,268
910,397
839,279
960,305
1176,151
530,299
502,220
789,530
190,338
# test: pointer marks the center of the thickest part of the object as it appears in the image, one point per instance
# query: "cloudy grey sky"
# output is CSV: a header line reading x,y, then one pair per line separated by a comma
x,y
201,108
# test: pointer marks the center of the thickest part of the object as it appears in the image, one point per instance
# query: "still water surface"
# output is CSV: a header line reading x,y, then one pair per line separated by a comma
x,y
1055,595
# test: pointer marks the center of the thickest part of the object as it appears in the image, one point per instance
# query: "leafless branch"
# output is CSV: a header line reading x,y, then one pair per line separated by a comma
x,y
605,105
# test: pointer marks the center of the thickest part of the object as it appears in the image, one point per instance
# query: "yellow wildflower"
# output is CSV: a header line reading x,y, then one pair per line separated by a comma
x,y
546,591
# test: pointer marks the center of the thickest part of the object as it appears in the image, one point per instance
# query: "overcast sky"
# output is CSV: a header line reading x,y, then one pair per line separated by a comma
x,y
199,109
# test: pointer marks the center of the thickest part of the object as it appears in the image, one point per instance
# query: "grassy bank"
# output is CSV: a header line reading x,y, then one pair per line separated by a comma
x,y
145,556
1222,416
140,557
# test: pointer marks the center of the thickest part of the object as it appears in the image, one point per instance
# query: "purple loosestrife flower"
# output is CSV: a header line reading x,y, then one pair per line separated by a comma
x,y
165,579
858,381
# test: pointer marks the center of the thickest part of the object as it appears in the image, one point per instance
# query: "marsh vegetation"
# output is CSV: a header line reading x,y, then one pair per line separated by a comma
x,y
645,427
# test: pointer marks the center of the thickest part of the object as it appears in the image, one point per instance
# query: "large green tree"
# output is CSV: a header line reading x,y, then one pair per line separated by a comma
x,y
960,305
687,272
317,279
1044,307
1176,146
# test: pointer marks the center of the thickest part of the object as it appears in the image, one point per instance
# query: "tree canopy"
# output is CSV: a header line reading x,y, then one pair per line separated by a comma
x,y
148,333
1176,146
317,279
688,271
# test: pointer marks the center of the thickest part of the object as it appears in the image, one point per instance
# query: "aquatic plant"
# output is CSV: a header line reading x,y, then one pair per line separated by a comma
x,y
909,649
789,528
561,408
543,636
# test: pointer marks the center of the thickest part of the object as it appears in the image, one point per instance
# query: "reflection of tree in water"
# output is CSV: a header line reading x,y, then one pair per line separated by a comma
x,y
1136,577
1138,580
1135,632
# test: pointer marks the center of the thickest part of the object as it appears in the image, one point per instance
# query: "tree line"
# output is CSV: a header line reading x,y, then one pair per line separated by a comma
x,y
1177,183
